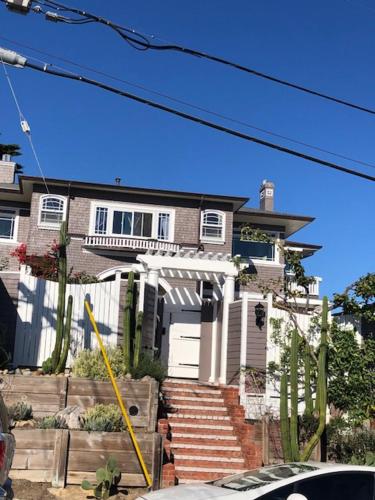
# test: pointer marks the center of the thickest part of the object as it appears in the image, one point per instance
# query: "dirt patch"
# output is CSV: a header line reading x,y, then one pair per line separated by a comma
x,y
20,489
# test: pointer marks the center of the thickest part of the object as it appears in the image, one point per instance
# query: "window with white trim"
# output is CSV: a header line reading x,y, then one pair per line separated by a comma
x,y
212,226
8,224
117,220
52,211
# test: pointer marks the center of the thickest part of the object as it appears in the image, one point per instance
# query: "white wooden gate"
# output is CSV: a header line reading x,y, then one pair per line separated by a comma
x,y
36,321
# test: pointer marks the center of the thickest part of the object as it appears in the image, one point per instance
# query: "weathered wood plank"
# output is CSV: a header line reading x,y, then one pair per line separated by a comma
x,y
35,476
60,458
127,460
156,461
34,438
131,388
32,459
108,441
76,477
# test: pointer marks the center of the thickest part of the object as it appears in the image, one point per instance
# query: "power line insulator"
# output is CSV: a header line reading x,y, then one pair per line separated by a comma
x,y
20,6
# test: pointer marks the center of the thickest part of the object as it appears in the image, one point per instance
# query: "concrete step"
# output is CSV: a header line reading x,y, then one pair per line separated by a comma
x,y
201,428
201,474
181,417
188,391
191,461
208,447
208,454
198,410
176,400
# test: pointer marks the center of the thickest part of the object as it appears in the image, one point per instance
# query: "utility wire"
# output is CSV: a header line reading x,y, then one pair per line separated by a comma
x,y
196,119
141,41
23,120
185,103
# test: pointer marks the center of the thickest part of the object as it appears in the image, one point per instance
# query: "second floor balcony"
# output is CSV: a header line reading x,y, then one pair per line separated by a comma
x,y
120,242
313,287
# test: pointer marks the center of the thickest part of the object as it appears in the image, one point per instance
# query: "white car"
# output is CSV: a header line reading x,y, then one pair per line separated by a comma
x,y
294,481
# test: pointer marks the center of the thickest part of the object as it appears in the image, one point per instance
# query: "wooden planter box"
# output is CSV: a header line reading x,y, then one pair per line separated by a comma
x,y
67,457
48,395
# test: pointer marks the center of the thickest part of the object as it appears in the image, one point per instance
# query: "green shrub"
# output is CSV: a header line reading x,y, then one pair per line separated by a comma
x,y
103,418
90,364
349,445
20,411
52,423
148,366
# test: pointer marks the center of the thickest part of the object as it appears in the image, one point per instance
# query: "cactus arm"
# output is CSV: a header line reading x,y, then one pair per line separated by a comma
x,y
284,418
138,339
322,384
309,405
67,329
62,278
294,396
128,313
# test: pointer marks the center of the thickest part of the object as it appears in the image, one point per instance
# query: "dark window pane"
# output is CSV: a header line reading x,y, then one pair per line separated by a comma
x,y
142,224
122,222
340,486
6,226
147,225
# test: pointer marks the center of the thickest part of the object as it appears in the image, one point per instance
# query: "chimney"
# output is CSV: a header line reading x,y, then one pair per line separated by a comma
x,y
7,170
266,193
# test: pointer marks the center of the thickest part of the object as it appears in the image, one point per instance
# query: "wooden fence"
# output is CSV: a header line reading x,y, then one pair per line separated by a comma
x,y
36,321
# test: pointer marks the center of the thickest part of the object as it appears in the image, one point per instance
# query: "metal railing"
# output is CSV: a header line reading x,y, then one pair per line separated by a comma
x,y
130,243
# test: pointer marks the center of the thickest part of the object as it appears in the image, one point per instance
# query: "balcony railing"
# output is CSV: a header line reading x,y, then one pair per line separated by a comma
x,y
313,287
129,243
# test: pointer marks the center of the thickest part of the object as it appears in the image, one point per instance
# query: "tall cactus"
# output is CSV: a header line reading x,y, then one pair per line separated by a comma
x,y
322,384
129,318
289,427
62,278
284,418
138,339
56,363
67,328
309,404
294,396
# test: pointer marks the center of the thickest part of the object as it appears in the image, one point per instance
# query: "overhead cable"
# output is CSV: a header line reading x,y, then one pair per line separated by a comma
x,y
142,41
185,103
46,69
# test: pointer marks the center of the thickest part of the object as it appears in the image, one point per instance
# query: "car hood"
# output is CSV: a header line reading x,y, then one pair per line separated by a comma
x,y
199,491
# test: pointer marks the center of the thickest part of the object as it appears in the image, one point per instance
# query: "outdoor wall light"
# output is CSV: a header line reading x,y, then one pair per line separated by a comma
x,y
260,314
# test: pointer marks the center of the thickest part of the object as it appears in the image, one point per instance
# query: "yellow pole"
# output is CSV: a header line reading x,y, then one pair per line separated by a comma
x,y
118,395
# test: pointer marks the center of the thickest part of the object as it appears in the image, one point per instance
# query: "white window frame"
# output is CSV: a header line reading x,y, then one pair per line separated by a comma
x,y
213,239
49,225
12,241
129,207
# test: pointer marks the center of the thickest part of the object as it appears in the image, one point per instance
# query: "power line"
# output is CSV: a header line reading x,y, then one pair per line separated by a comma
x,y
24,125
196,119
185,103
142,41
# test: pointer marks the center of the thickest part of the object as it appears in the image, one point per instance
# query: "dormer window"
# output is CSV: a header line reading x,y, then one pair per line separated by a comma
x,y
52,211
212,226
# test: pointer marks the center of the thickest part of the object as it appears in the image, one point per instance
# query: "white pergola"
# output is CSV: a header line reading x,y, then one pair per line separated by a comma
x,y
217,268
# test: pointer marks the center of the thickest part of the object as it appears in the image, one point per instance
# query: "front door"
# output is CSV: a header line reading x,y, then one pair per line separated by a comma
x,y
184,343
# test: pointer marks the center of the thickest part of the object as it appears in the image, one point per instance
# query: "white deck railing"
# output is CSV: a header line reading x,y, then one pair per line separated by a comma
x,y
313,287
132,243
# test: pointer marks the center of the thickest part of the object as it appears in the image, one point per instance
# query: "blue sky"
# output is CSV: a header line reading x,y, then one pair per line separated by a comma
x,y
85,133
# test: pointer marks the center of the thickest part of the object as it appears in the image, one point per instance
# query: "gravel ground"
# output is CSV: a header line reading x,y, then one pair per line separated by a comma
x,y
26,490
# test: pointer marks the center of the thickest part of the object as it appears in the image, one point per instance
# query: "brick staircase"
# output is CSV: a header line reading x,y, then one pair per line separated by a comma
x,y
206,436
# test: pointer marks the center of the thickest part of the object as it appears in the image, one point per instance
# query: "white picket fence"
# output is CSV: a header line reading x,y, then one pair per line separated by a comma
x,y
36,321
